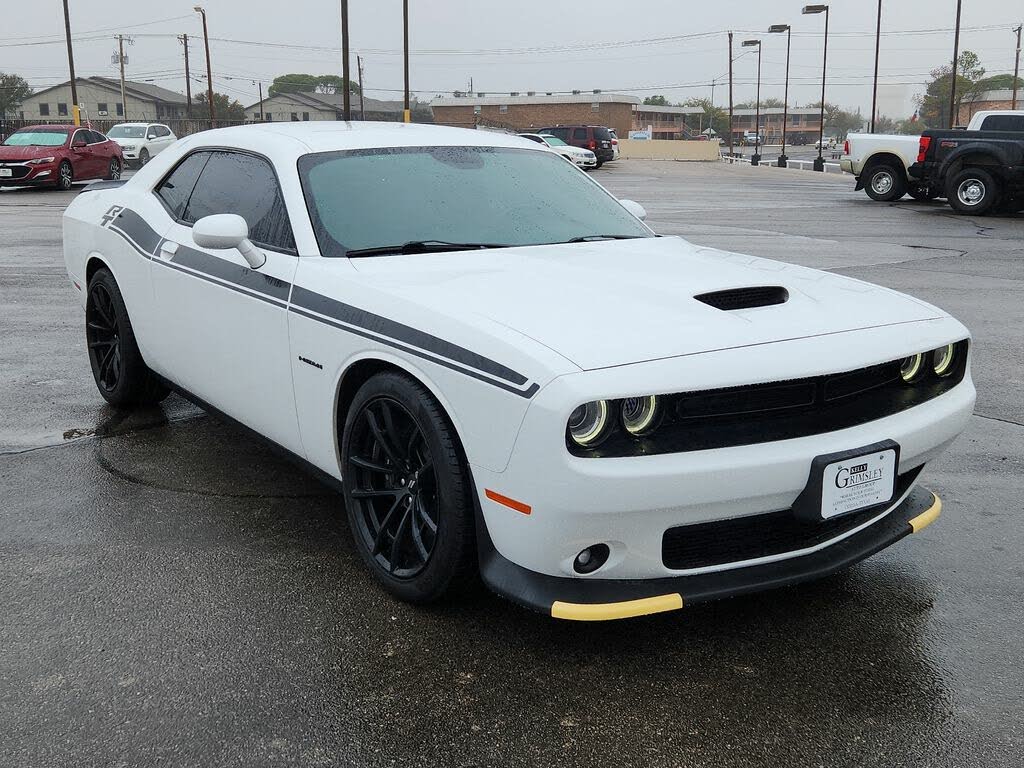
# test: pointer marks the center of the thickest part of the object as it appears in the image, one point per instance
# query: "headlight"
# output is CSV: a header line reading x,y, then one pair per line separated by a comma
x,y
639,414
912,367
588,423
41,161
943,360
127,146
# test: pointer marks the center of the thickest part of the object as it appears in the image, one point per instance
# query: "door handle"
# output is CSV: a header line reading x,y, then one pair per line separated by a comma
x,y
167,249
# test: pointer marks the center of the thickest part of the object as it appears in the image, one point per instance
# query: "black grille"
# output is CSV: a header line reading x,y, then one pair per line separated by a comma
x,y
17,171
745,298
746,538
780,410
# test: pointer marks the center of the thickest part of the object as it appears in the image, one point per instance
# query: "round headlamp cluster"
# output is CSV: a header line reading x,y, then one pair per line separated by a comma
x,y
941,361
592,422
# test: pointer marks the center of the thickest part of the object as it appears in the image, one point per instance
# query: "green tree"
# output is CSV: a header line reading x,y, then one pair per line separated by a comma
x,y
998,83
715,117
13,92
767,102
838,121
934,103
226,107
656,101
298,82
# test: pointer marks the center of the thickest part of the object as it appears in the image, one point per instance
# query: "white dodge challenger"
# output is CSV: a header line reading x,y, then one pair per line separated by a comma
x,y
504,369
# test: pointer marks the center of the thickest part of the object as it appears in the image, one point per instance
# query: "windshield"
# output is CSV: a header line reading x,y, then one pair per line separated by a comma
x,y
127,132
554,141
360,199
36,138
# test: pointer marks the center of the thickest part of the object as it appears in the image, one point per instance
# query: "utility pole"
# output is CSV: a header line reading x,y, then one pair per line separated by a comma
x,y
406,115
209,68
730,93
874,87
183,39
362,102
346,99
120,61
1016,68
75,112
259,84
956,55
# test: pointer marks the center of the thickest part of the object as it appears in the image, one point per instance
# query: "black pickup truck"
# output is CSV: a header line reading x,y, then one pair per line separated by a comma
x,y
977,171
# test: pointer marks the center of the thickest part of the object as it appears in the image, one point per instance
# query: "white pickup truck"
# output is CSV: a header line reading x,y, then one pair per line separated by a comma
x,y
881,162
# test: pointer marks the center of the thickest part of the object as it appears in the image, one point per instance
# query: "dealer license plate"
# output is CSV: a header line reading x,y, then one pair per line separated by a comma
x,y
858,483
6,172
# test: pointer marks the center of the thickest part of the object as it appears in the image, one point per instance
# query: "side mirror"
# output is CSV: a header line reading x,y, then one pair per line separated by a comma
x,y
635,208
227,230
78,143
151,135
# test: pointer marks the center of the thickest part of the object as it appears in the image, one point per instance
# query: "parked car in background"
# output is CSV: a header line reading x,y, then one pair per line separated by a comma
x,y
584,158
750,138
829,142
979,170
57,155
880,163
615,143
596,138
141,141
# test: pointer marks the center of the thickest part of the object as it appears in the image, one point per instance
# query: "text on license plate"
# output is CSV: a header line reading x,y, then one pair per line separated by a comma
x,y
6,172
858,483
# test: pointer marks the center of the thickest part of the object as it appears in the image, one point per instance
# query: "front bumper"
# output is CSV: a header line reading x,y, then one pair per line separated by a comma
x,y
37,175
603,599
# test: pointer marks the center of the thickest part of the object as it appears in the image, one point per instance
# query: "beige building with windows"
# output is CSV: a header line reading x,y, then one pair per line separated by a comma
x,y
100,99
328,106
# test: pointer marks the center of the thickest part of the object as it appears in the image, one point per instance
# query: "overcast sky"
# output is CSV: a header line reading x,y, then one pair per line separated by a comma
x,y
671,47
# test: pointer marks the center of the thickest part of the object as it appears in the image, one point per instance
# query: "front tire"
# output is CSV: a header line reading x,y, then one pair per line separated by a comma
x,y
973,191
114,169
885,183
65,176
406,489
121,375
143,157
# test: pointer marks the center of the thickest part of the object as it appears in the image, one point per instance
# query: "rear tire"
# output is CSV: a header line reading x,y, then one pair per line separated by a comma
x,y
973,191
407,490
121,375
885,183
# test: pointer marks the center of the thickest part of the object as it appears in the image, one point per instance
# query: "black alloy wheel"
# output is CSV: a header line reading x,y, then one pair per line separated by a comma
x,y
103,335
114,169
406,489
121,375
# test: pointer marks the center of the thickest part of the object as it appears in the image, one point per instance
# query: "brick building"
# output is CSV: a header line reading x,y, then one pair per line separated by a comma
x,y
531,111
1001,99
802,124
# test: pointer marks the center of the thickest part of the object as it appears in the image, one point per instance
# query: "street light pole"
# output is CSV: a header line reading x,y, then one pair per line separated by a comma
x,y
755,158
730,95
346,99
874,86
783,160
819,161
406,114
75,112
209,67
1016,68
956,55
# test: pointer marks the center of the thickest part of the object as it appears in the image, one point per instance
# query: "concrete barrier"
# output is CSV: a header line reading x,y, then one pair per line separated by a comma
x,y
665,149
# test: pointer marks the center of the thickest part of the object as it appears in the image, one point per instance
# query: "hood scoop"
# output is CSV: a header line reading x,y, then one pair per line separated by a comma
x,y
745,298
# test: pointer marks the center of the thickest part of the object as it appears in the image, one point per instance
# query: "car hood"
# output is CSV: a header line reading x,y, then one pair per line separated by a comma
x,y
609,303
123,141
13,154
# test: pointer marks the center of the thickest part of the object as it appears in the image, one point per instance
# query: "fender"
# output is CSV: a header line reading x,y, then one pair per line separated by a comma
x,y
994,152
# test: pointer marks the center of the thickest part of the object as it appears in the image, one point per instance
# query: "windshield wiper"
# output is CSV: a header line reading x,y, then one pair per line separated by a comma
x,y
422,246
591,238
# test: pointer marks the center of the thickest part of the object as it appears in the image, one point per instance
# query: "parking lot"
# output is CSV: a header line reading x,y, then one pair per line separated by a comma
x,y
173,593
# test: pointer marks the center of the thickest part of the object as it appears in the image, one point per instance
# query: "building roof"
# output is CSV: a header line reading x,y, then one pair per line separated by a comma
x,y
145,91
334,102
668,110
547,98
777,111
1001,94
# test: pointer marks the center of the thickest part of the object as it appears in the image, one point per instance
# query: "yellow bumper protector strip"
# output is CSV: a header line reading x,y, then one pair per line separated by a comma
x,y
623,610
927,517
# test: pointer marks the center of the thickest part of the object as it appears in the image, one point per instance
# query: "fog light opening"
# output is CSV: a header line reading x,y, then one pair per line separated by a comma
x,y
591,558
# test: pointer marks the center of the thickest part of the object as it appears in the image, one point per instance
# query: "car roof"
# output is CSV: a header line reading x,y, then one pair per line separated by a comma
x,y
328,135
136,125
55,127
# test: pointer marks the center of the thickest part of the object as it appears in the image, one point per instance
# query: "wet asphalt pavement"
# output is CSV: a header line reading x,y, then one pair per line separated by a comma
x,y
172,593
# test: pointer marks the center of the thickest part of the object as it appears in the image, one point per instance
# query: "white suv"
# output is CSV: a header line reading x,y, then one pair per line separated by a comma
x,y
141,141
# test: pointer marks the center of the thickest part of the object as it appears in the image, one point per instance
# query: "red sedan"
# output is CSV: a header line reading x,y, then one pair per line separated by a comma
x,y
58,155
